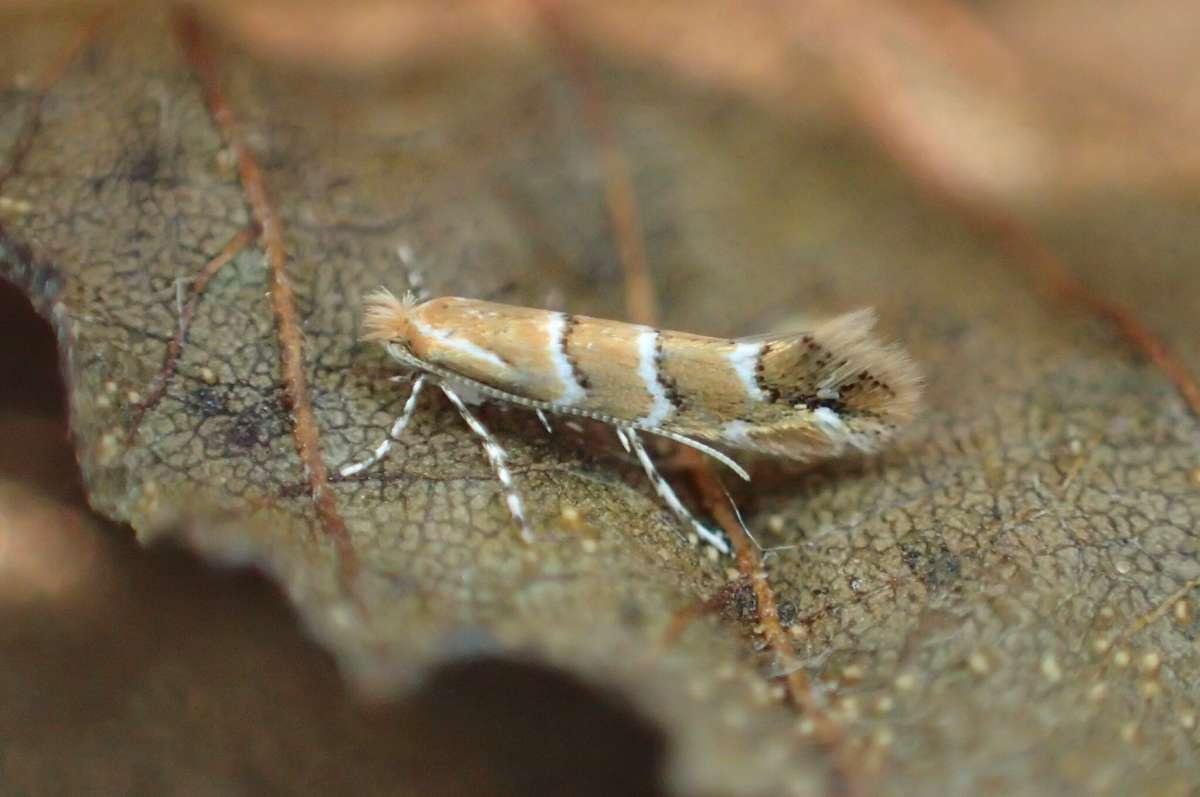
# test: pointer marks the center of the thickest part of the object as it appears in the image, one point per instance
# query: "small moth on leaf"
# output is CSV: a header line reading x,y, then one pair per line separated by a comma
x,y
798,396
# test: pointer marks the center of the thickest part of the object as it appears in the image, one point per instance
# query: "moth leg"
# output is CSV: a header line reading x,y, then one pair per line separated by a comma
x,y
498,457
703,449
630,439
398,426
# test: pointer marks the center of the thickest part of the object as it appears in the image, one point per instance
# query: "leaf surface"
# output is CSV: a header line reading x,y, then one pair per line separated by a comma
x,y
1002,602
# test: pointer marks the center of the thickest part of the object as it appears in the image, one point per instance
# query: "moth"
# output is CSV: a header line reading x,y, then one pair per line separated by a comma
x,y
797,396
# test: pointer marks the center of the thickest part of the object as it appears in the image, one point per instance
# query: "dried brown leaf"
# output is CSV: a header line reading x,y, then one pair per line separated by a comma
x,y
1003,603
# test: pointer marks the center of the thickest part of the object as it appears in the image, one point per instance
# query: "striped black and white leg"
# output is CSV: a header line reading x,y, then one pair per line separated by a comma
x,y
498,458
630,439
398,427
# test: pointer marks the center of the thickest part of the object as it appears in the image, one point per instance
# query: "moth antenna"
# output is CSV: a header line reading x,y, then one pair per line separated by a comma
x,y
737,513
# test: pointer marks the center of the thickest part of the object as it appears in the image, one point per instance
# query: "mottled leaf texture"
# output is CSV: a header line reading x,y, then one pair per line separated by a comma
x,y
1003,603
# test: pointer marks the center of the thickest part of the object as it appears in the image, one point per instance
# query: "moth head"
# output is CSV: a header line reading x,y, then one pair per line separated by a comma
x,y
387,319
